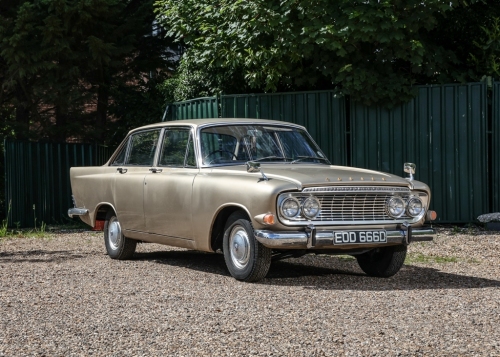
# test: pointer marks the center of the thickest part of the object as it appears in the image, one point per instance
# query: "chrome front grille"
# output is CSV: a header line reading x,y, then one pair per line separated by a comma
x,y
353,206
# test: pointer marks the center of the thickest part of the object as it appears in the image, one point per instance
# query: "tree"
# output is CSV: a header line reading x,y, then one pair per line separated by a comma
x,y
374,51
64,64
472,33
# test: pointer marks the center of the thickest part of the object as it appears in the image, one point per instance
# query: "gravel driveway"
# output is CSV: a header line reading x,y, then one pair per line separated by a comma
x,y
62,296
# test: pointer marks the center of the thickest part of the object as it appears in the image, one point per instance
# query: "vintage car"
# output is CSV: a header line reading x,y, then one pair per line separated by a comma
x,y
257,190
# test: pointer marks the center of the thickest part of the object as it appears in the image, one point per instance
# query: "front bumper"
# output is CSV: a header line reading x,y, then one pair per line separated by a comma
x,y
315,238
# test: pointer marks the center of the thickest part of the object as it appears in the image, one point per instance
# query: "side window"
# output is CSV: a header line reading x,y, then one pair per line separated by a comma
x,y
120,158
190,156
143,147
174,147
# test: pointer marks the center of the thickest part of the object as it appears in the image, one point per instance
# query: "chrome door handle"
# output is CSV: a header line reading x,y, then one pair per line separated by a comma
x,y
155,170
121,170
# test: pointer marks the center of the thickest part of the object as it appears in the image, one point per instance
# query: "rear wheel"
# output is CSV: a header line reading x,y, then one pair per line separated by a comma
x,y
117,245
246,258
383,262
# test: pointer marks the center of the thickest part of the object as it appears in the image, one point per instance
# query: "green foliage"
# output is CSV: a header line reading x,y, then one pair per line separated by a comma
x,y
6,131
136,105
472,34
3,228
188,82
193,80
488,46
374,51
5,224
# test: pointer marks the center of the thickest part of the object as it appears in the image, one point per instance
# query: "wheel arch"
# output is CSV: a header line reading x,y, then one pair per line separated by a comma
x,y
219,222
102,210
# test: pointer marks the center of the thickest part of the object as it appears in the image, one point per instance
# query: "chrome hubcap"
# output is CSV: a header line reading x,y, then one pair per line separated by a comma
x,y
114,233
239,247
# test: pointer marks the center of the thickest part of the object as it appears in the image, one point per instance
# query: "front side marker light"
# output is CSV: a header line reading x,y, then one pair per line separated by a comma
x,y
431,216
269,219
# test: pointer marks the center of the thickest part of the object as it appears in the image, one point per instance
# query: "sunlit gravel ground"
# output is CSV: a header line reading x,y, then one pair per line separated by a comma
x,y
62,296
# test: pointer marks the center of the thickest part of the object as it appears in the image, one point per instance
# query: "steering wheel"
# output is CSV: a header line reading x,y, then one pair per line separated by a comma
x,y
218,151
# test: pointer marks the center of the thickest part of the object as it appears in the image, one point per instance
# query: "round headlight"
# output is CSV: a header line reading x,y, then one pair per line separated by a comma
x,y
311,207
290,207
414,207
395,207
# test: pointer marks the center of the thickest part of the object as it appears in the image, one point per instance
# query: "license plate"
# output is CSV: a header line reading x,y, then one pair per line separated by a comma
x,y
359,237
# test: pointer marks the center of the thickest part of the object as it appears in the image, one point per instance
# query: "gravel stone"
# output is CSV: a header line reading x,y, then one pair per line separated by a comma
x,y
63,296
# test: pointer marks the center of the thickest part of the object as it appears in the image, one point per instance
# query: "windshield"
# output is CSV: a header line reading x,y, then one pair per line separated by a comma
x,y
237,144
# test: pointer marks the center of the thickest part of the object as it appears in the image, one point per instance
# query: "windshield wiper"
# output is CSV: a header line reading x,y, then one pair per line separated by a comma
x,y
301,158
272,157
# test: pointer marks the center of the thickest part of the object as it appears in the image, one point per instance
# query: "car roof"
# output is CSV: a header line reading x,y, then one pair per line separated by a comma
x,y
215,121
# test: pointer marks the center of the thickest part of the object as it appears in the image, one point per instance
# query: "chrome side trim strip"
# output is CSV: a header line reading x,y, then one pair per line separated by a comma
x,y
77,212
324,238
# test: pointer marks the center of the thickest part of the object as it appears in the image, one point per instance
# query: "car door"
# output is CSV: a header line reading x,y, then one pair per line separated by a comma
x,y
132,166
168,188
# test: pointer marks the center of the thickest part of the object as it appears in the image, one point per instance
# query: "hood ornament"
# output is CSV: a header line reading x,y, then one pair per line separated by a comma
x,y
253,166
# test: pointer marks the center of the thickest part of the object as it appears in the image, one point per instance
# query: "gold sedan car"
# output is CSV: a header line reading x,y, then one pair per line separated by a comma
x,y
258,190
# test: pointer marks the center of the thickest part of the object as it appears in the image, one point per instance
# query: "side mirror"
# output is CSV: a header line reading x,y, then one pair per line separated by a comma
x,y
410,169
253,166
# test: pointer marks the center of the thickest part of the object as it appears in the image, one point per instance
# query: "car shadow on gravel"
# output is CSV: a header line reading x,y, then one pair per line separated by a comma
x,y
191,259
38,256
347,278
327,274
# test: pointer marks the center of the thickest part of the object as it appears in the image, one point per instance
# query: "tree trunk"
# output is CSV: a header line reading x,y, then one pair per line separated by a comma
x,y
22,114
61,124
102,110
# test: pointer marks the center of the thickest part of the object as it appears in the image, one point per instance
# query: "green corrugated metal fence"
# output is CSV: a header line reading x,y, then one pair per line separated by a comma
x,y
495,149
322,113
37,178
444,131
198,108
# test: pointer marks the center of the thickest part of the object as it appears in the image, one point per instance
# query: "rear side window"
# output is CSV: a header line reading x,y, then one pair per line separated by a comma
x,y
177,148
143,148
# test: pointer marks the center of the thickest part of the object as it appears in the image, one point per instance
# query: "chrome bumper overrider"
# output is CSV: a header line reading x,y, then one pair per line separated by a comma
x,y
315,238
77,212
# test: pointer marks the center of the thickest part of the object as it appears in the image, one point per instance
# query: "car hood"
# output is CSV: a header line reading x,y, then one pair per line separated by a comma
x,y
304,175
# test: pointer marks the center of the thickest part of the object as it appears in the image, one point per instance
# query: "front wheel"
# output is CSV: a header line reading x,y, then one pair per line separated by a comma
x,y
246,258
117,245
382,262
